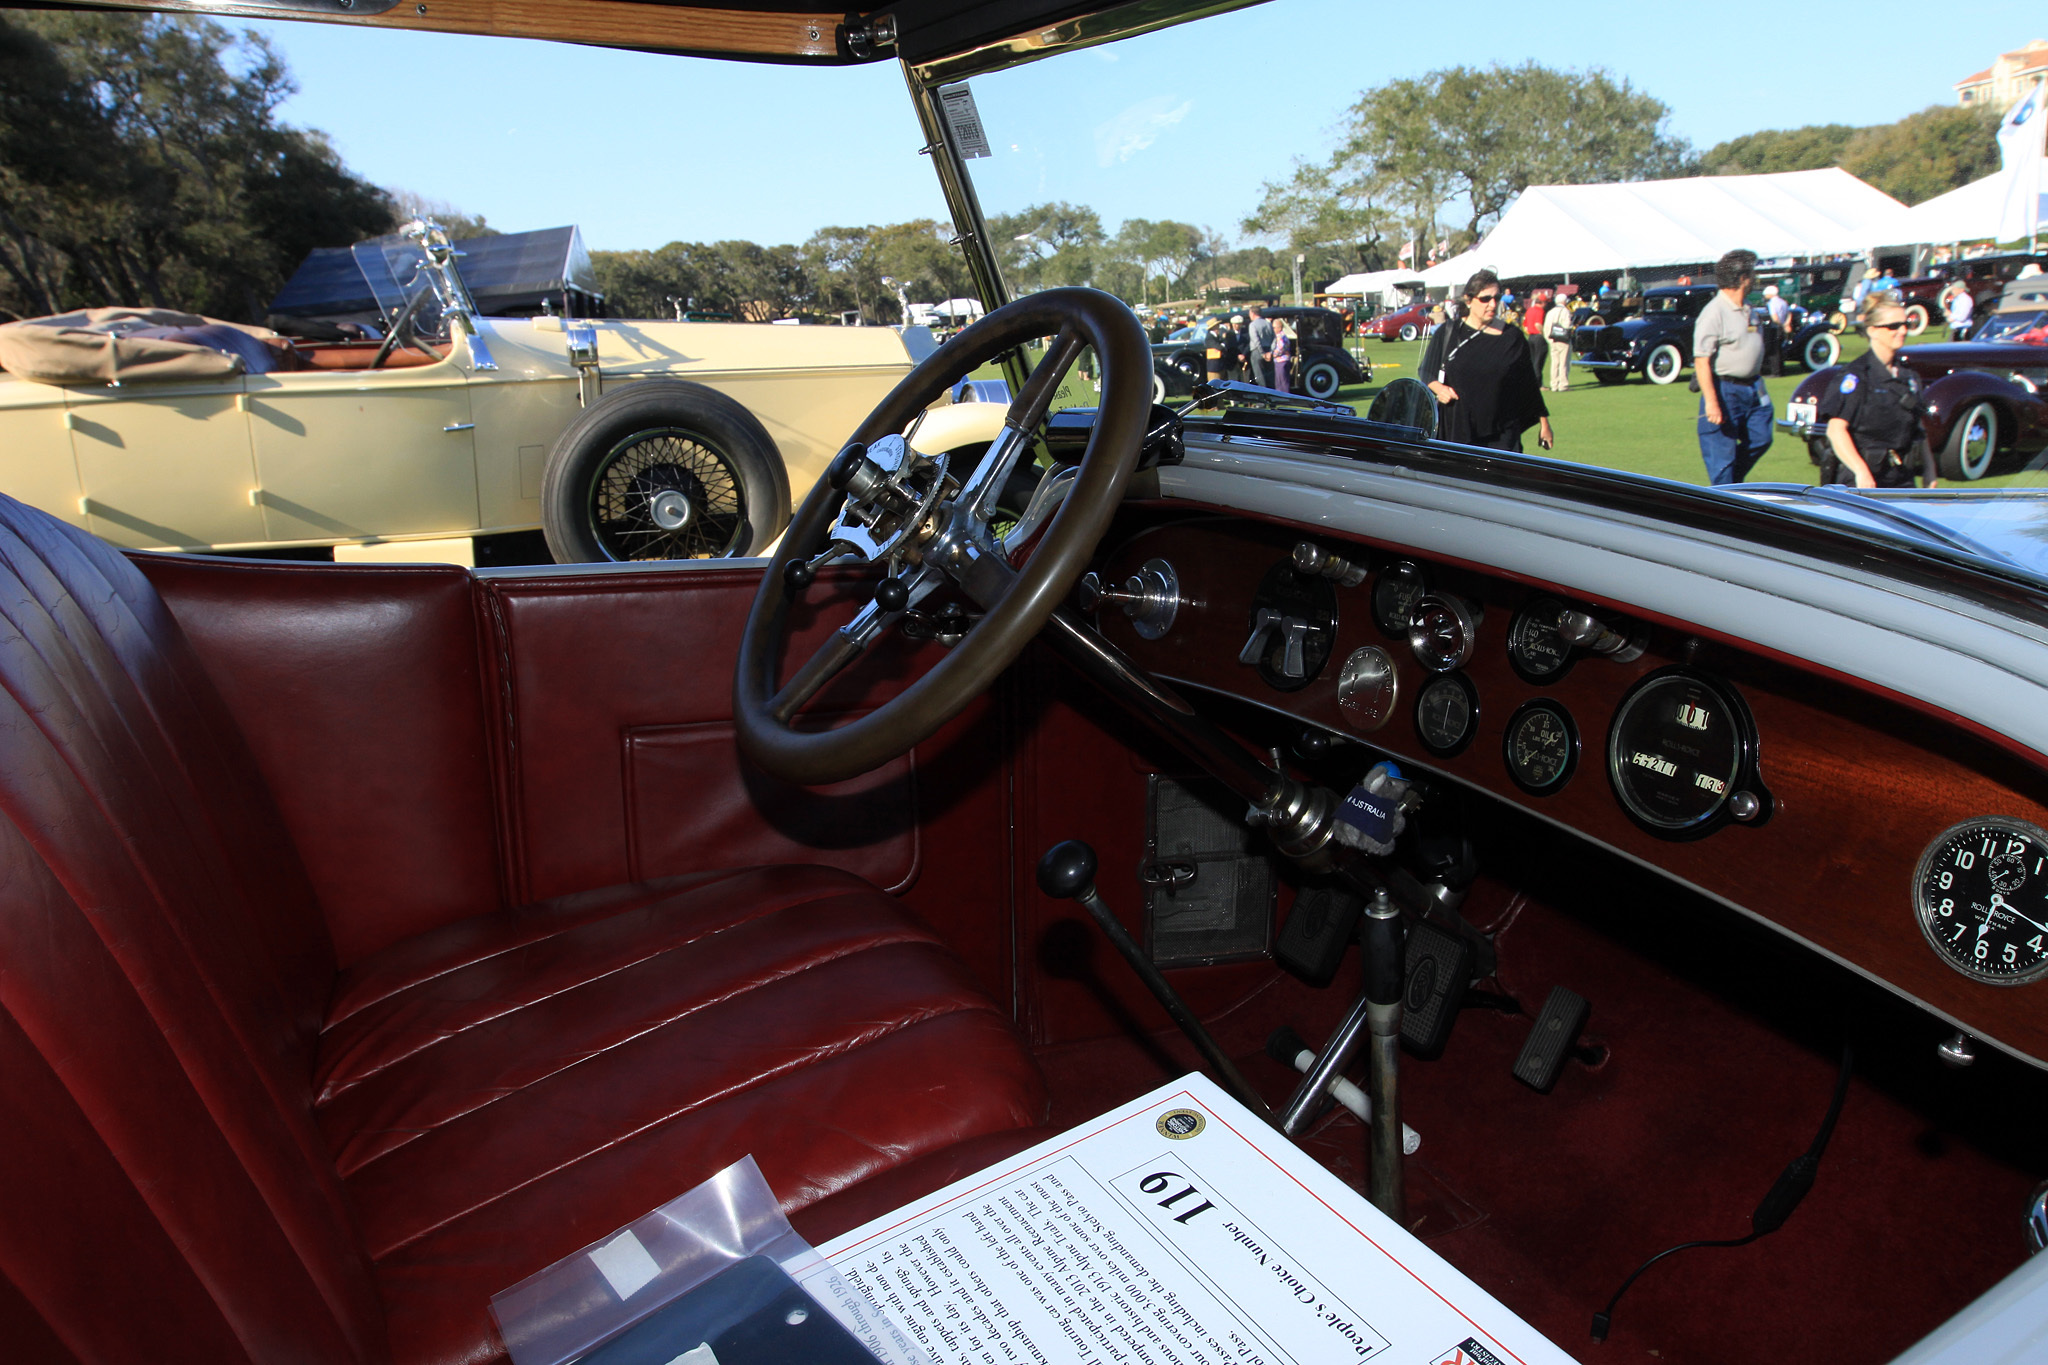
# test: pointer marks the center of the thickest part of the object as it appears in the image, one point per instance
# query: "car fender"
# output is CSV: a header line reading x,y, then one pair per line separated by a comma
x,y
1953,392
959,424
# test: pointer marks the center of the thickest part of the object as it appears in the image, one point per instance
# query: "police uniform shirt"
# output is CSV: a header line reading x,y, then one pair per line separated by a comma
x,y
1883,411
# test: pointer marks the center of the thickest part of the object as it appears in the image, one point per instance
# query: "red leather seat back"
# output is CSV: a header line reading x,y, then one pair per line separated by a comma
x,y
163,973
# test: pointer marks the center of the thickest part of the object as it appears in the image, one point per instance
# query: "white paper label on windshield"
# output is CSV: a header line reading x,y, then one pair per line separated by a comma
x,y
1177,1230
963,120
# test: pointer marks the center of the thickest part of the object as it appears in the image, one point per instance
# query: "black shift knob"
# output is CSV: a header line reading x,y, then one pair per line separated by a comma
x,y
844,466
891,594
1066,870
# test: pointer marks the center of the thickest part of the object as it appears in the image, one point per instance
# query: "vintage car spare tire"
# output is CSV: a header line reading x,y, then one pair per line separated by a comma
x,y
1916,319
1321,380
663,469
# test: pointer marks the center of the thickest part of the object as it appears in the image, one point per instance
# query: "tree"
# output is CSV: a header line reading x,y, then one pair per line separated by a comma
x,y
141,162
407,205
1414,146
1047,245
1166,248
1941,148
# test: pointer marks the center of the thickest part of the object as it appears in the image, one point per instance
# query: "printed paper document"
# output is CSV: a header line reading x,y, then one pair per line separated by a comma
x,y
1176,1230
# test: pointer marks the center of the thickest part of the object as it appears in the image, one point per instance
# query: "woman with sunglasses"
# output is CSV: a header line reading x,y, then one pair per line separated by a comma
x,y
1872,413
1478,368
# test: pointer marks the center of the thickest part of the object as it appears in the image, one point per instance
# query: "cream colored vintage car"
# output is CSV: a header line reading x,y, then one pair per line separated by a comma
x,y
623,440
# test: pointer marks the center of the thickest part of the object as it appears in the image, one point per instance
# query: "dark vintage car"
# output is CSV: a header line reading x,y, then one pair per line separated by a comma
x,y
373,937
1321,365
1987,277
1987,398
1402,324
1657,342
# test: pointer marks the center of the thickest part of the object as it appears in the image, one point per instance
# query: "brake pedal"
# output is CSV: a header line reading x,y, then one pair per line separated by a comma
x,y
1321,926
1439,969
1554,1039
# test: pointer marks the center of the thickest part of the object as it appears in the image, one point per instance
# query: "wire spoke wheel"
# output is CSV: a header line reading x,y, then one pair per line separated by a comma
x,y
666,494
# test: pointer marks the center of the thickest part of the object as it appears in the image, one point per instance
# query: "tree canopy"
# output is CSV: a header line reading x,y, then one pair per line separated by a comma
x,y
1413,148
141,162
1941,148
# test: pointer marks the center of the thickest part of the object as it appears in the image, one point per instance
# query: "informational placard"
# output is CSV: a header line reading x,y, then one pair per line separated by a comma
x,y
963,120
1176,1230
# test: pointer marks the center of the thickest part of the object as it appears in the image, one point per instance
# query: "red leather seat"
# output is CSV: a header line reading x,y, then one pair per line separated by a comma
x,y
222,1146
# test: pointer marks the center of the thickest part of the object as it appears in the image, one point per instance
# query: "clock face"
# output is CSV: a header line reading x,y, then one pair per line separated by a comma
x,y
1981,894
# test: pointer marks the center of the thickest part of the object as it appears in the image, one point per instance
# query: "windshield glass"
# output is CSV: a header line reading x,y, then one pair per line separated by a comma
x,y
2030,328
402,282
1115,167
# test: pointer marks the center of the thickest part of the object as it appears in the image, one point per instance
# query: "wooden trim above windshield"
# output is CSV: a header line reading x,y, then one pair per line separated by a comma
x,y
604,23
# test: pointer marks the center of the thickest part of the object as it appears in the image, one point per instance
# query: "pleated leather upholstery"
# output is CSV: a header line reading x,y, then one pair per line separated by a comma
x,y
219,1146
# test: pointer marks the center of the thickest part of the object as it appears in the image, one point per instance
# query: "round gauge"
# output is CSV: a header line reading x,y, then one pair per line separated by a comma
x,y
1446,714
1682,755
1981,892
1541,747
1536,651
1368,688
1393,596
1442,631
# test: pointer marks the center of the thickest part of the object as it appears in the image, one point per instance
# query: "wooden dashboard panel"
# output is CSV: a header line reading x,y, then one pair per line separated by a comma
x,y
1861,783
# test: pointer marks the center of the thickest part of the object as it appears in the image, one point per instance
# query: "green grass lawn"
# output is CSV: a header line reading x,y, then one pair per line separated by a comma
x,y
1640,426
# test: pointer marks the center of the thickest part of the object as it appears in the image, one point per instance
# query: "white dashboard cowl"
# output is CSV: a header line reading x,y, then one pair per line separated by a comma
x,y
1959,656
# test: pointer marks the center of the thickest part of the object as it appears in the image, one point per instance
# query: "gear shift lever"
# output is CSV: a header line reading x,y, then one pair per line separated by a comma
x,y
1067,872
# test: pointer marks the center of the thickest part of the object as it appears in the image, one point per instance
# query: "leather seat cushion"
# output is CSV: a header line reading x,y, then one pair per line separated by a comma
x,y
507,1089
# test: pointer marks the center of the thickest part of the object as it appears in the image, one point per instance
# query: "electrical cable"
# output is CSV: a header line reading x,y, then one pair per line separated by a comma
x,y
1772,1210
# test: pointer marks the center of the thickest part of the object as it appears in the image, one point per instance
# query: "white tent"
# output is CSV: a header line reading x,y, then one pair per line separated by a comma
x,y
1973,213
1373,283
1589,229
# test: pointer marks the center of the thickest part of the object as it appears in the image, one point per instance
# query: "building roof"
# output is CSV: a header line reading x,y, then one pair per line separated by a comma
x,y
1979,78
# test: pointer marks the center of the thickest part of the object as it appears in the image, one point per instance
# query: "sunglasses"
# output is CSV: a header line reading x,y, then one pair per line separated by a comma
x,y
1486,298
1887,326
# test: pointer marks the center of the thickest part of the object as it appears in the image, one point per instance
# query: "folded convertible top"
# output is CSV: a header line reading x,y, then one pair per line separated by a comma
x,y
119,345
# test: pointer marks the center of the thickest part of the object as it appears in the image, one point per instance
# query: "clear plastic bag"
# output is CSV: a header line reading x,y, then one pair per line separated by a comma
x,y
583,1300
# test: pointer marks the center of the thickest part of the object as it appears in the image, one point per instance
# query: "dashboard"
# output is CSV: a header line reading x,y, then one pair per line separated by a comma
x,y
1904,845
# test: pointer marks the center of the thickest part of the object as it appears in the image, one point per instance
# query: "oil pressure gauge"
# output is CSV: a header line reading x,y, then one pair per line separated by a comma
x,y
1541,747
1981,895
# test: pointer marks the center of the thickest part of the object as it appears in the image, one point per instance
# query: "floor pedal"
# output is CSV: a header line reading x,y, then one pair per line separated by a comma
x,y
1552,1040
1439,969
1323,923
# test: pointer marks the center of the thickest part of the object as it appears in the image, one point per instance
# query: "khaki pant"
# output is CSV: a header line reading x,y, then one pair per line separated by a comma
x,y
1560,366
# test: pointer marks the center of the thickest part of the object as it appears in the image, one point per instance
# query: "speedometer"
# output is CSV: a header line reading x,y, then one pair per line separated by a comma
x,y
1682,756
1981,895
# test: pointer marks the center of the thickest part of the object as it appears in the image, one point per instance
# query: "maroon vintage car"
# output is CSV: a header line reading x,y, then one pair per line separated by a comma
x,y
1986,407
1405,324
1987,277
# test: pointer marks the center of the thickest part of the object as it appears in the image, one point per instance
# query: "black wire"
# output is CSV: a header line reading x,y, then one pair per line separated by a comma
x,y
1775,1207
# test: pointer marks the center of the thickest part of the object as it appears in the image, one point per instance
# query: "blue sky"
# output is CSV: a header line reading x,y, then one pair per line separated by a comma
x,y
642,150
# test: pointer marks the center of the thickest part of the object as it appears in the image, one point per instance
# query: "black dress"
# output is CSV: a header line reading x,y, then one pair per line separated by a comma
x,y
1498,396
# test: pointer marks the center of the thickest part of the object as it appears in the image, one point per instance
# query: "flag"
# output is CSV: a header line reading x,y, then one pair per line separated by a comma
x,y
2020,156
1407,250
2019,133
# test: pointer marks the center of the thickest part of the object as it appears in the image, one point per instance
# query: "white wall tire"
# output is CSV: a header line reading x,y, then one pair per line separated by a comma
x,y
1972,444
1665,364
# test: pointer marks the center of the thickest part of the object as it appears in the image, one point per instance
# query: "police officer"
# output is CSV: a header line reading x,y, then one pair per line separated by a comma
x,y
1872,413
